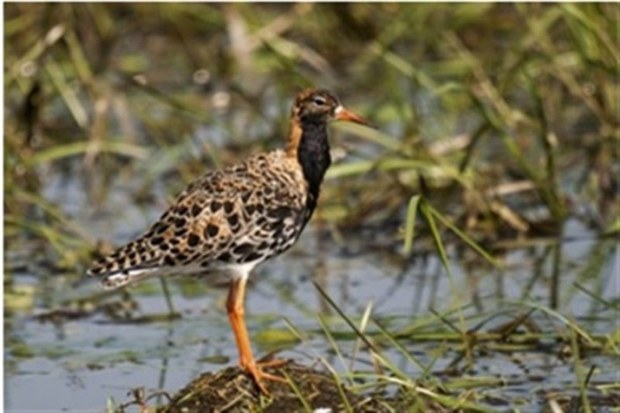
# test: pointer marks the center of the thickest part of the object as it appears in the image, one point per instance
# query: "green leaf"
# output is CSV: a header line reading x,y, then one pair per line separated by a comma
x,y
412,211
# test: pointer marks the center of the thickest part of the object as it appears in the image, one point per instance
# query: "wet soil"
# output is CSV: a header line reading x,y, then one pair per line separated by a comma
x,y
231,390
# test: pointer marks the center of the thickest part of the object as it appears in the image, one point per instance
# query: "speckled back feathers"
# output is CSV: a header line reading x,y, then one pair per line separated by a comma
x,y
233,219
244,213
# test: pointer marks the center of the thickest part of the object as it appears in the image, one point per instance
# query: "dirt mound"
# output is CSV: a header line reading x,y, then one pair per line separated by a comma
x,y
231,390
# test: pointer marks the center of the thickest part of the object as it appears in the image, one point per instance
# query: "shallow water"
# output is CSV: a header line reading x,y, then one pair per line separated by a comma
x,y
77,365
188,87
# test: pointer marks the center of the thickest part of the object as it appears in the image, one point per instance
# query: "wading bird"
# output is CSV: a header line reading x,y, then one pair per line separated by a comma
x,y
231,220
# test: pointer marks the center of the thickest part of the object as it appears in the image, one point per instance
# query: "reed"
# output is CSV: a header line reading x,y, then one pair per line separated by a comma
x,y
497,126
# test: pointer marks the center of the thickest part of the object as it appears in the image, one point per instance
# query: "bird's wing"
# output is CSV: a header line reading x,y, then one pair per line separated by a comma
x,y
241,214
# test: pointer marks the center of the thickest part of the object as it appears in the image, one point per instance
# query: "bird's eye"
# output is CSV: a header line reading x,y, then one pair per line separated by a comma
x,y
319,101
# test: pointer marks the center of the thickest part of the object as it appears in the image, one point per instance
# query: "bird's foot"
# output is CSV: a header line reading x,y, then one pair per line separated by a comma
x,y
255,369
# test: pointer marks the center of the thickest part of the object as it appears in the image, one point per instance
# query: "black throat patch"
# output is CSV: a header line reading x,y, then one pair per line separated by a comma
x,y
313,156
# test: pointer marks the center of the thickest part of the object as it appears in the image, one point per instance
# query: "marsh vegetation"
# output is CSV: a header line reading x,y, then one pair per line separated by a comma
x,y
464,255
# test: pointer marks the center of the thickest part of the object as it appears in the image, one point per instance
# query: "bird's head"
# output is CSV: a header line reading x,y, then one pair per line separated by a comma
x,y
320,106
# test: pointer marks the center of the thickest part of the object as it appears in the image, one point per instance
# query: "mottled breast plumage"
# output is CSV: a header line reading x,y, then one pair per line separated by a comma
x,y
244,213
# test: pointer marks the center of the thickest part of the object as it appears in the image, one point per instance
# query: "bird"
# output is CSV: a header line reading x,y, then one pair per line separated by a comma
x,y
230,220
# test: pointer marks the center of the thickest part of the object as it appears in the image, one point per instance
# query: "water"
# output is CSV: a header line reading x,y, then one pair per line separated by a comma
x,y
77,365
242,97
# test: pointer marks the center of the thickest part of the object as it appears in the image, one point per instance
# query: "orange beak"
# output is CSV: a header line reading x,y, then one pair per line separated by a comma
x,y
344,114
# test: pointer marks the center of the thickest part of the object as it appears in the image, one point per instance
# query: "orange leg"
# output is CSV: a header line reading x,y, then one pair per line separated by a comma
x,y
235,308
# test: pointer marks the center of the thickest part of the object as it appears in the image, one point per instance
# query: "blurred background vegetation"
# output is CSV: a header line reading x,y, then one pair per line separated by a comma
x,y
498,121
508,114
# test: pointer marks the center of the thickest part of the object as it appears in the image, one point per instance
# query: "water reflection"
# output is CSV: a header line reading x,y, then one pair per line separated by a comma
x,y
96,357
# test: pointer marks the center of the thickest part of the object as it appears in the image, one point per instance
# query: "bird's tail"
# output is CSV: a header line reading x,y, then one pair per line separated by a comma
x,y
128,264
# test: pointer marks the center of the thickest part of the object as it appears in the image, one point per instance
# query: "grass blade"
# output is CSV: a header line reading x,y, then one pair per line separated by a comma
x,y
412,210
472,244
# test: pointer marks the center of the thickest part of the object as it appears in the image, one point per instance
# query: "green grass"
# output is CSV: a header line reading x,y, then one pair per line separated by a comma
x,y
496,125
